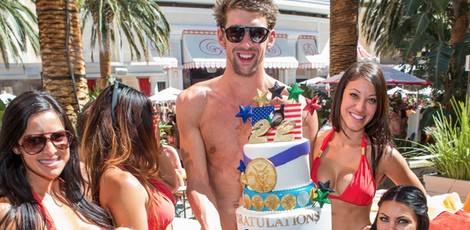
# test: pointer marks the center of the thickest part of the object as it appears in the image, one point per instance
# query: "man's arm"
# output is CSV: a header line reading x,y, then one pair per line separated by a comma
x,y
200,194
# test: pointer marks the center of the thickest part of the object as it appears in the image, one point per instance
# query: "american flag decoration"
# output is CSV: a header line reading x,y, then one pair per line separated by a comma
x,y
291,112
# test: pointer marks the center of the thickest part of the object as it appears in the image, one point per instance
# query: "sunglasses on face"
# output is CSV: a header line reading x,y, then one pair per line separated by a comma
x,y
118,86
235,34
34,144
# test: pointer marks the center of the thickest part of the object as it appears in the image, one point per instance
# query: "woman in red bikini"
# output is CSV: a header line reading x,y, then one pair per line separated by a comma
x,y
40,180
358,153
128,175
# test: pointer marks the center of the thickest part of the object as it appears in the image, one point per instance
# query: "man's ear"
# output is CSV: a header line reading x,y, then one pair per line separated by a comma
x,y
220,37
271,39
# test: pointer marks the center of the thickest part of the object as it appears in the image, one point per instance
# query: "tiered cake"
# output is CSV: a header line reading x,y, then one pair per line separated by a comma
x,y
279,193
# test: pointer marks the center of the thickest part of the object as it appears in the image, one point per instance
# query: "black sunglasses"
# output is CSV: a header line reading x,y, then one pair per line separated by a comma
x,y
34,144
235,34
116,90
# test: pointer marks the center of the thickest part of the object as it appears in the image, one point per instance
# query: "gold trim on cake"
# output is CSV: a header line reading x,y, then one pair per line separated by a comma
x,y
272,202
288,202
257,202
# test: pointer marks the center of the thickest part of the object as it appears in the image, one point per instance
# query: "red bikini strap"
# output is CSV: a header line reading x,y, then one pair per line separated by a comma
x,y
364,144
44,212
326,140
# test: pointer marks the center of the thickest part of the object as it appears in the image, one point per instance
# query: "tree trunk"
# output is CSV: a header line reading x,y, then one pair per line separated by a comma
x,y
105,58
343,34
458,32
56,75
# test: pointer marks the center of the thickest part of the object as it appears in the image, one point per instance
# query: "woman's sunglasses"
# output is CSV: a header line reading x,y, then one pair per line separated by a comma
x,y
235,34
34,144
117,87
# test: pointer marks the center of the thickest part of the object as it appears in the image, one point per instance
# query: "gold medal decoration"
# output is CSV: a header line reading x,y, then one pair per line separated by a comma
x,y
288,201
246,201
257,202
313,194
272,202
261,175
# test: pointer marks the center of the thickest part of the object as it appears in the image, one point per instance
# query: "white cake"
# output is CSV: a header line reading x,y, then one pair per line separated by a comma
x,y
279,189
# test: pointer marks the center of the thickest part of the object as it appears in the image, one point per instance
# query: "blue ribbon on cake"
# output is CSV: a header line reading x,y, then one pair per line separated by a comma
x,y
286,155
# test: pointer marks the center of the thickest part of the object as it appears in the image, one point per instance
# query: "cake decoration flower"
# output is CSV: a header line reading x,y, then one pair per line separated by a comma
x,y
261,98
295,92
276,91
312,105
244,113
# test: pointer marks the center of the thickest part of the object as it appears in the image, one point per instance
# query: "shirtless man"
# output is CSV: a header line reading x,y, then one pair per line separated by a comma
x,y
211,136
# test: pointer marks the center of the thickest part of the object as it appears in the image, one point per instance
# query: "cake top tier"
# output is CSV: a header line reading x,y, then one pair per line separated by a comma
x,y
275,121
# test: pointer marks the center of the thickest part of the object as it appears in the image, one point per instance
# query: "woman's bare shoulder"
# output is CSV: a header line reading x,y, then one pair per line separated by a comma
x,y
115,183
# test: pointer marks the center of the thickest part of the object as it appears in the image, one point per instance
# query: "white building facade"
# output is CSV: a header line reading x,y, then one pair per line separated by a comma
x,y
195,55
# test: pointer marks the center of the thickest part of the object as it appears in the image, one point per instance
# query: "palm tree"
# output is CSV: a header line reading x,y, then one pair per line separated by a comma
x,y
17,27
431,36
63,64
137,20
343,34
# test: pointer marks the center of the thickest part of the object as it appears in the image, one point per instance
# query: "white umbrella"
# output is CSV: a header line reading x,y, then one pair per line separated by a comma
x,y
400,90
7,97
312,81
168,94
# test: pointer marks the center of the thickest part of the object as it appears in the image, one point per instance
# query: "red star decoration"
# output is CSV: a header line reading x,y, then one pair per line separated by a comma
x,y
312,105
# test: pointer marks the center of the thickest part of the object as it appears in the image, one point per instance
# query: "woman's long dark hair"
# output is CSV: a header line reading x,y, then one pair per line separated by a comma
x,y
378,129
412,197
24,212
119,132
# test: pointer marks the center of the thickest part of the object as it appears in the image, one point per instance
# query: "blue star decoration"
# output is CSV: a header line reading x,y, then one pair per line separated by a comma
x,y
325,186
244,113
322,193
276,90
242,166
295,92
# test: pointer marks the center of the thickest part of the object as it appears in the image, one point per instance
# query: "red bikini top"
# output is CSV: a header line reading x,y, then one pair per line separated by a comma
x,y
361,190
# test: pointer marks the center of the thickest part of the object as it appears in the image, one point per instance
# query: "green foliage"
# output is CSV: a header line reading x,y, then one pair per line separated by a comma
x,y
17,29
3,106
135,20
93,94
451,149
420,32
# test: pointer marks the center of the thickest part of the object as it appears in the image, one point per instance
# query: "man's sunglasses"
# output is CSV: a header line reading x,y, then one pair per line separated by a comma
x,y
235,34
118,86
34,144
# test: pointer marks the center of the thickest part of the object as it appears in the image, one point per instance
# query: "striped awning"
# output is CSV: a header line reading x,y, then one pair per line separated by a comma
x,y
309,55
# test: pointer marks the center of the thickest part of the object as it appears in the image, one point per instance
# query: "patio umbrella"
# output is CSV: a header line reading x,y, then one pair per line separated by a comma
x,y
312,81
7,97
168,94
400,90
392,77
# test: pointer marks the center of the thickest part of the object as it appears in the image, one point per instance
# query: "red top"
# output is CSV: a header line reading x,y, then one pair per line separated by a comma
x,y
164,206
361,190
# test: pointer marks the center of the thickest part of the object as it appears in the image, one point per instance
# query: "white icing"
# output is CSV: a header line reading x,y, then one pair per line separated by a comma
x,y
297,219
294,174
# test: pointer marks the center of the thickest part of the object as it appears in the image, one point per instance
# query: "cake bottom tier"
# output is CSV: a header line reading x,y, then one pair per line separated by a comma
x,y
297,219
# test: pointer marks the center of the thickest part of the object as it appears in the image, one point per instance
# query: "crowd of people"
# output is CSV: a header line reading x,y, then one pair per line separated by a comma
x,y
122,171
402,107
